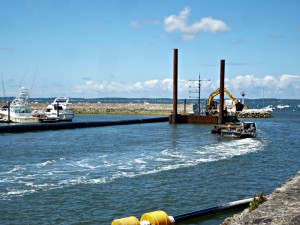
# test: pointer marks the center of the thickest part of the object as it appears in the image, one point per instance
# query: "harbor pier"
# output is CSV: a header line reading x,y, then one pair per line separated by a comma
x,y
15,128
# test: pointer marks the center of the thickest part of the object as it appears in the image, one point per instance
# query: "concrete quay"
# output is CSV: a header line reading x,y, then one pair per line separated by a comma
x,y
281,208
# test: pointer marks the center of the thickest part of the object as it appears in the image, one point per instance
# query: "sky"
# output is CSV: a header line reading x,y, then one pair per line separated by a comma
x,y
124,48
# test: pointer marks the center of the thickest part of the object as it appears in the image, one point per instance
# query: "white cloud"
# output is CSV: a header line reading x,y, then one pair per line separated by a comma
x,y
285,86
135,24
180,23
115,89
289,81
6,49
138,24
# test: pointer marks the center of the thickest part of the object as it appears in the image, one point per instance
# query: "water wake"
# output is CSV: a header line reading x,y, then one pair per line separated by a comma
x,y
51,174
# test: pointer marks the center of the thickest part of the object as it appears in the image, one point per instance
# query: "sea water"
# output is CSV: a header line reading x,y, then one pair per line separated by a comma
x,y
94,175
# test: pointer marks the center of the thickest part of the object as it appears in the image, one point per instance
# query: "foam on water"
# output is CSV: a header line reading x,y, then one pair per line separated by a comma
x,y
100,169
45,163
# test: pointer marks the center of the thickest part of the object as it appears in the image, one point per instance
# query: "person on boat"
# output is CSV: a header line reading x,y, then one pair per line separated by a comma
x,y
229,126
225,111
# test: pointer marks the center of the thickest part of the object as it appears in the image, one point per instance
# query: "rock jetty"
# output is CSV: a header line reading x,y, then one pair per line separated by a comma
x,y
253,114
120,108
133,108
282,207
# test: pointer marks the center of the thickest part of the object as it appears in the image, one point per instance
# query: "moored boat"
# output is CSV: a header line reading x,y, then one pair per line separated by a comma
x,y
281,106
268,108
57,111
18,111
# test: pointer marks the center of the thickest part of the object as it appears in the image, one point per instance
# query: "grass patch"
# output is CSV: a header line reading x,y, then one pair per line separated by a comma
x,y
257,200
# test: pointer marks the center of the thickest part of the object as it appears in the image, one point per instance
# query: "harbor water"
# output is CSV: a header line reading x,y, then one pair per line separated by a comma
x,y
95,175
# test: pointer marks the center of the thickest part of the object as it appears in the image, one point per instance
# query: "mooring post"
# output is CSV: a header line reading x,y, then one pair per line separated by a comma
x,y
175,85
221,106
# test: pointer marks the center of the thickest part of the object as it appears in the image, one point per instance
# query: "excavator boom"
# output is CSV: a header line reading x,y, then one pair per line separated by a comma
x,y
239,106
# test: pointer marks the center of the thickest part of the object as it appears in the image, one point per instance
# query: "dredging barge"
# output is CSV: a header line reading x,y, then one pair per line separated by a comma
x,y
221,116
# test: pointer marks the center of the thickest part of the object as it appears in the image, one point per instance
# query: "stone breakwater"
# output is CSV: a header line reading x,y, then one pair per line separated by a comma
x,y
282,207
122,108
253,114
141,109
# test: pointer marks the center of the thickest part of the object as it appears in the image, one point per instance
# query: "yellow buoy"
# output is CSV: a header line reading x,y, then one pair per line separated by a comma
x,y
126,221
156,218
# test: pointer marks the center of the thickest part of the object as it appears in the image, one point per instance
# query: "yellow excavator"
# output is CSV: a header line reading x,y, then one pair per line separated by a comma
x,y
211,103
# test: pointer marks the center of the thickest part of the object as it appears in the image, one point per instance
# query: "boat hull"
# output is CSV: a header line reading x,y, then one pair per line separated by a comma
x,y
238,134
18,119
18,114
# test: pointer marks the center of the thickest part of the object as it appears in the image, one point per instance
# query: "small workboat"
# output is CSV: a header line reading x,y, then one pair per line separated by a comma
x,y
238,130
57,111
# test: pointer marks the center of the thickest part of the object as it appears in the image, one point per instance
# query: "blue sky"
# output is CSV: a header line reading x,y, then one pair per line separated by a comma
x,y
113,48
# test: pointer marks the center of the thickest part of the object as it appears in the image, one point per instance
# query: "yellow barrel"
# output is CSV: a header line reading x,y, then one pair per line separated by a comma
x,y
126,221
156,218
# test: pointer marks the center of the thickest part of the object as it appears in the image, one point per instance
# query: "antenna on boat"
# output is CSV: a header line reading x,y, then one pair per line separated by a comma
x,y
33,80
4,95
22,78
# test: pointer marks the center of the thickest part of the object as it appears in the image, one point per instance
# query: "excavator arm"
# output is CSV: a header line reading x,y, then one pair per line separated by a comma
x,y
210,99
230,96
239,106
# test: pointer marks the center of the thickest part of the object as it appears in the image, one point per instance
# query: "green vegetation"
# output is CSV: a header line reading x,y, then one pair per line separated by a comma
x,y
257,200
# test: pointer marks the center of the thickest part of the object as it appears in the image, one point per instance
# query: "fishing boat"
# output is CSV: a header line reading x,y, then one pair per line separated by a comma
x,y
237,130
57,111
18,111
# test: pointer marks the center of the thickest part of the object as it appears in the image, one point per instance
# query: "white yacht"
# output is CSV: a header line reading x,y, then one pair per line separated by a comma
x,y
18,111
57,111
281,106
269,108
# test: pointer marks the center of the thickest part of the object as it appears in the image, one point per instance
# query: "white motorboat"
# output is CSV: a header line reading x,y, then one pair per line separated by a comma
x,y
18,111
237,130
281,106
268,108
57,111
